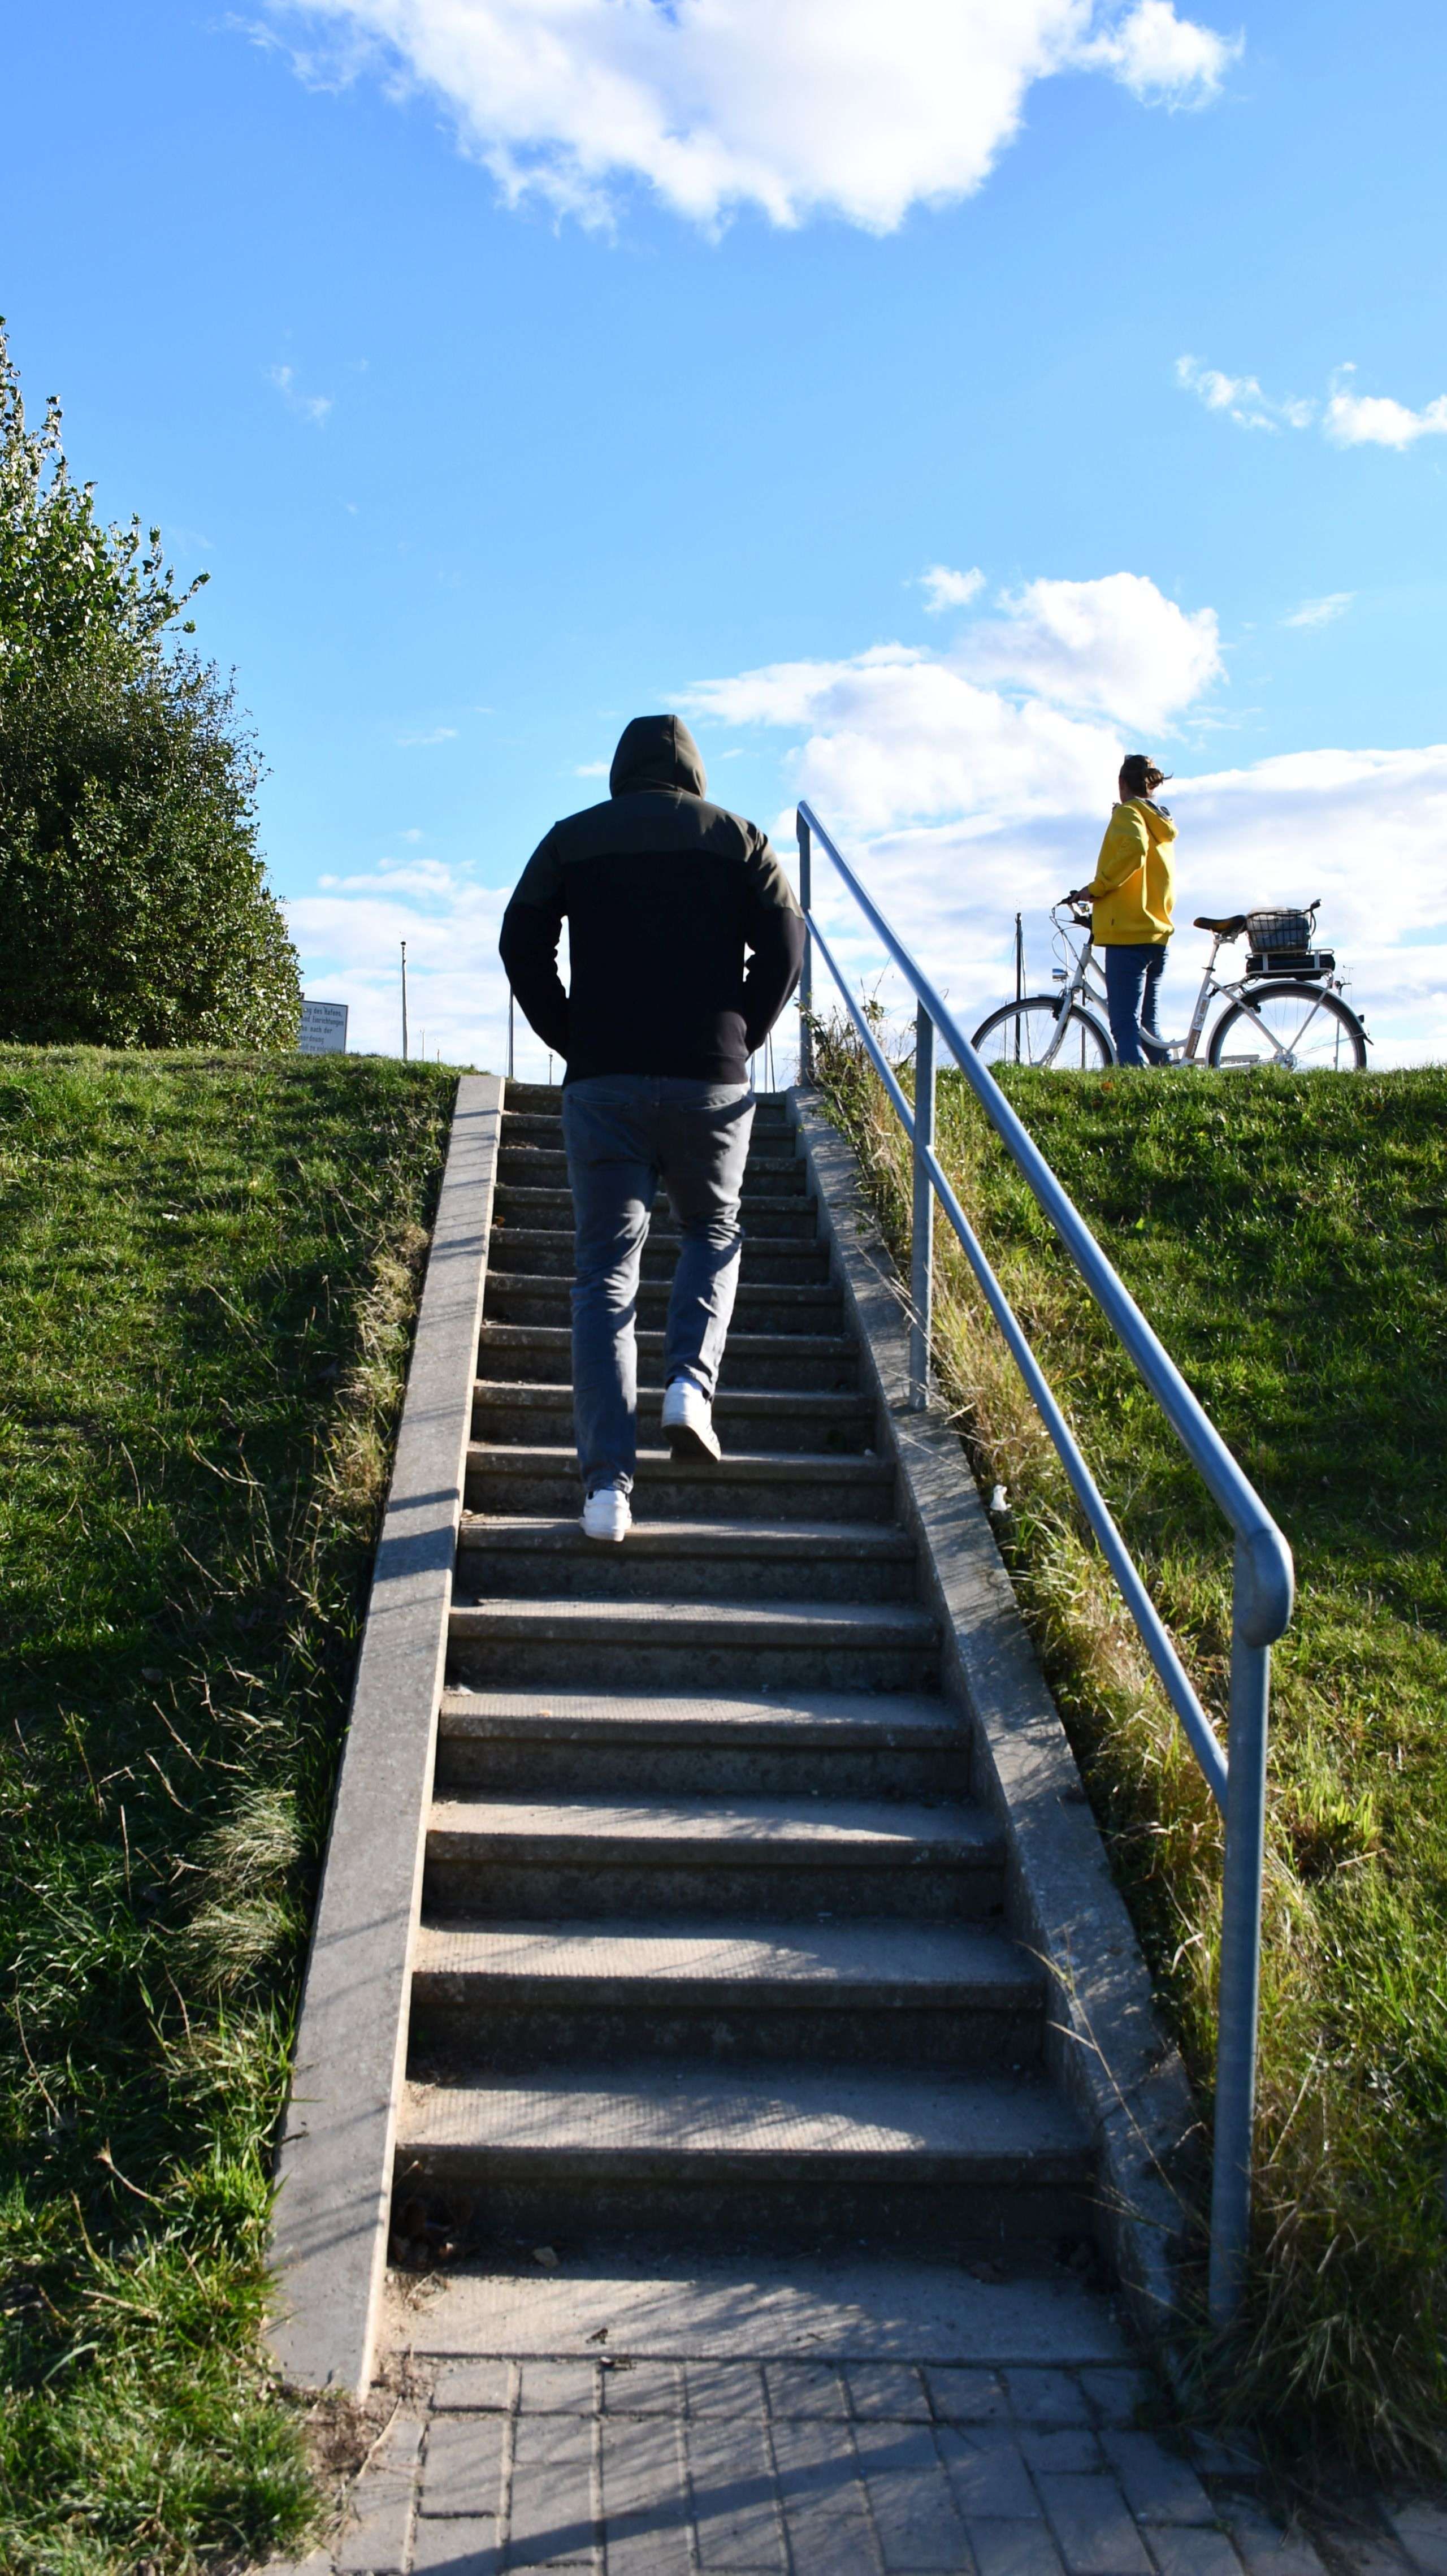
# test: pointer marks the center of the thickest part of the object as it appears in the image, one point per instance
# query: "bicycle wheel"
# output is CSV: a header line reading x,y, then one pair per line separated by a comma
x,y
1025,1032
1316,1032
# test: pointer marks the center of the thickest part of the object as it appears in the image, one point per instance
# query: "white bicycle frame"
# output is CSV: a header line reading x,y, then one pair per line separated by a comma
x,y
1182,1050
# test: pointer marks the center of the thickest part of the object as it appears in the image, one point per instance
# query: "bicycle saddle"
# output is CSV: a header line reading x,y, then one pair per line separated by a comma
x,y
1227,929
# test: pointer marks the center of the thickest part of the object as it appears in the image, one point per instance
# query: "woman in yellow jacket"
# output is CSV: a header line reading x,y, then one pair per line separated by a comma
x,y
1132,892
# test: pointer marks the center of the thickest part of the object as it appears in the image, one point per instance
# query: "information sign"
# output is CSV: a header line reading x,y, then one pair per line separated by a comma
x,y
323,1028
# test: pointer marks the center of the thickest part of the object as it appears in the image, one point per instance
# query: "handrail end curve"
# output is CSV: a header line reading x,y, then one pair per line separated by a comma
x,y
1265,1584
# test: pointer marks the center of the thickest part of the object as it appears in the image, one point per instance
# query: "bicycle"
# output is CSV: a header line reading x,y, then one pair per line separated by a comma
x,y
1286,1009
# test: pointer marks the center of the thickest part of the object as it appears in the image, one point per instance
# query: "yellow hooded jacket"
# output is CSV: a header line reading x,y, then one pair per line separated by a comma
x,y
1133,887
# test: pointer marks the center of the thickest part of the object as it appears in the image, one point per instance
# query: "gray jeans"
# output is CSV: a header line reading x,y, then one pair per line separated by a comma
x,y
625,1133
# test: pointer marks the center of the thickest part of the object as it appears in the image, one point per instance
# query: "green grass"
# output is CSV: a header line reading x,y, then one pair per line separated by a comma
x,y
1287,1236
207,1276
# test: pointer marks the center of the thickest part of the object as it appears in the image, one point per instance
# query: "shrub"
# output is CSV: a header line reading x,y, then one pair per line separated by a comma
x,y
134,908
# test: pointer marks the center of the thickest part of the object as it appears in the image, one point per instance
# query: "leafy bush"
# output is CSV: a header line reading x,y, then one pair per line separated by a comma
x,y
134,908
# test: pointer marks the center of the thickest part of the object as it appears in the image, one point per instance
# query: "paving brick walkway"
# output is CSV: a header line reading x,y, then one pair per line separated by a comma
x,y
787,2468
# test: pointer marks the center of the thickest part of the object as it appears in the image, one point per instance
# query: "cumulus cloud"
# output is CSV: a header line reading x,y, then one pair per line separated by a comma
x,y
1321,612
1166,60
945,589
1375,420
1006,721
1347,418
308,407
350,932
1242,399
796,107
1116,645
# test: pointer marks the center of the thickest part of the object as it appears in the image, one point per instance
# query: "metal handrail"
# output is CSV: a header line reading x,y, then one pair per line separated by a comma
x,y
1262,1577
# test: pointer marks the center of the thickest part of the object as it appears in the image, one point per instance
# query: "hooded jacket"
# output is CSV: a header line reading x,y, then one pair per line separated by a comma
x,y
1133,888
663,894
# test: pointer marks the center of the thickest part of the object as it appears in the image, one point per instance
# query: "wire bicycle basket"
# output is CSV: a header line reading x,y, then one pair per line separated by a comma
x,y
1268,931
1281,942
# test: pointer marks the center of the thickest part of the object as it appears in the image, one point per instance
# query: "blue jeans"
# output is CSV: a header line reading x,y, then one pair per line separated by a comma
x,y
1131,978
625,1133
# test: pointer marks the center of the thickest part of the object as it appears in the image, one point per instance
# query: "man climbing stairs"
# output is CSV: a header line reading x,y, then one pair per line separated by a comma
x,y
714,1947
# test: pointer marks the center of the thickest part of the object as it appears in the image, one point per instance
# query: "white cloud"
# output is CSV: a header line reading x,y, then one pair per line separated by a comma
x,y
1348,419
948,589
592,769
1321,612
1242,399
1165,60
350,933
1375,420
427,741
796,107
1008,721
310,407
1117,646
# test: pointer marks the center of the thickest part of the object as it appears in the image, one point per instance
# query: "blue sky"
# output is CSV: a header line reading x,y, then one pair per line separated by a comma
x,y
513,368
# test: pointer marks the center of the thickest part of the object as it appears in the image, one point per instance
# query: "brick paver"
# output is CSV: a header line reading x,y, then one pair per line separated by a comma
x,y
1047,2397
987,2473
1006,2548
1422,2531
1266,2548
911,2505
1158,2485
1192,2549
642,2496
378,2538
822,2496
668,2467
888,2388
462,2473
1094,2526
962,2396
551,2521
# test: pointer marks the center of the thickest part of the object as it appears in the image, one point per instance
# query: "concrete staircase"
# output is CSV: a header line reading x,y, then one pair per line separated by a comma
x,y
713,1945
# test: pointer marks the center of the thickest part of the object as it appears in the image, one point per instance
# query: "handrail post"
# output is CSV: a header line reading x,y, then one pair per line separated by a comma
x,y
806,971
922,1256
1239,1984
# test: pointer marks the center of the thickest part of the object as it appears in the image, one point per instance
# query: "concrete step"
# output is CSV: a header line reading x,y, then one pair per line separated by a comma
x,y
781,1859
511,1298
839,1744
853,1993
525,1352
545,1100
708,1560
534,1167
534,1099
793,1218
834,1645
744,1418
515,1248
756,1486
805,2155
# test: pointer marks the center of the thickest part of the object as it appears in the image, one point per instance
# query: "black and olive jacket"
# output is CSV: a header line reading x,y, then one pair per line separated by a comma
x,y
663,894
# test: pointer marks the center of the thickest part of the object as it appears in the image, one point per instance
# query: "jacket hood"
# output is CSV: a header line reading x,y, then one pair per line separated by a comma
x,y
656,751
1157,818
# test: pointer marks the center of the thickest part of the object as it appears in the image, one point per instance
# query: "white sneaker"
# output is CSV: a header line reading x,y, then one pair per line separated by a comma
x,y
688,1422
607,1513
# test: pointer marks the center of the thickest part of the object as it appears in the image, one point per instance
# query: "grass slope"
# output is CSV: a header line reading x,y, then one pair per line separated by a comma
x,y
1286,1236
207,1270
